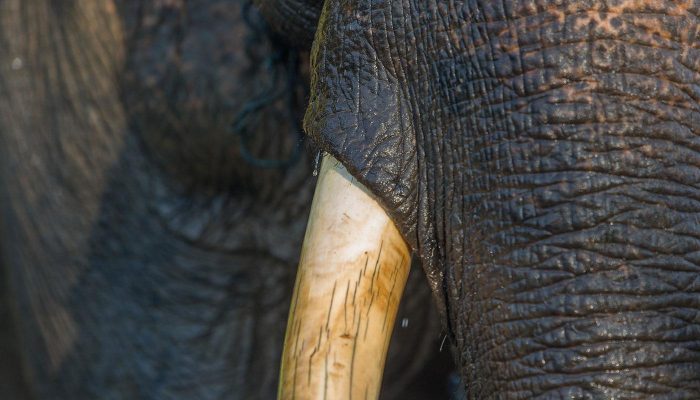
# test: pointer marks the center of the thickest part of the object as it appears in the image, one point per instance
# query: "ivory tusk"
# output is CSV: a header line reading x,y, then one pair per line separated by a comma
x,y
353,269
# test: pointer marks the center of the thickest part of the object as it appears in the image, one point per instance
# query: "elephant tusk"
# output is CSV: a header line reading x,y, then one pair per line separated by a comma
x,y
353,269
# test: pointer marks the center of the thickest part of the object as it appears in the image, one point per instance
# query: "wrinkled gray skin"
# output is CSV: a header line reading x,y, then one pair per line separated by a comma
x,y
143,257
543,159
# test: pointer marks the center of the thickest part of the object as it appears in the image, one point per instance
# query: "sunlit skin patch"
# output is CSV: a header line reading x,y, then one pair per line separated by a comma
x,y
584,55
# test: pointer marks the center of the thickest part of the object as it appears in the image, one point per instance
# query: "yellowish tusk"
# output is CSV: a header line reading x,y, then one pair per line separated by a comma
x,y
352,272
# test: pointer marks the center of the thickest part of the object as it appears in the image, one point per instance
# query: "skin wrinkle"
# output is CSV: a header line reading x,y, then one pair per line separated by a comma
x,y
552,160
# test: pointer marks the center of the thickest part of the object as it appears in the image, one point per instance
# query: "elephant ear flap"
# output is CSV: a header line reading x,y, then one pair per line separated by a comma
x,y
358,111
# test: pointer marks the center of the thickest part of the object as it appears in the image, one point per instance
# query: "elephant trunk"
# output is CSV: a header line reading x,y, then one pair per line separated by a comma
x,y
353,270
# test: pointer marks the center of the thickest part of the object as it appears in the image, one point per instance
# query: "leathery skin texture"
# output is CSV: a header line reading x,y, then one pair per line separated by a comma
x,y
543,160
144,257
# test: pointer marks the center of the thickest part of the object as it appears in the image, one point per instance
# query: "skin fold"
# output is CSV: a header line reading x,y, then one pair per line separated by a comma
x,y
153,199
542,159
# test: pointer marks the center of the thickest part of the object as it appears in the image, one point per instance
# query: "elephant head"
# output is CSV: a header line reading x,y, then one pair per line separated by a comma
x,y
542,160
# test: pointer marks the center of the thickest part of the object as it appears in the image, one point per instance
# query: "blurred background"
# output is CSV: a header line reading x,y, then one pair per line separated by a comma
x,y
154,189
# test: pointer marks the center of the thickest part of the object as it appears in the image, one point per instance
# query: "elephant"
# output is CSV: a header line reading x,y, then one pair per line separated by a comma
x,y
154,189
541,158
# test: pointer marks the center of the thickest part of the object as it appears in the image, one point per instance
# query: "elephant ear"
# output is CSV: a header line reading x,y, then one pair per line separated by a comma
x,y
359,110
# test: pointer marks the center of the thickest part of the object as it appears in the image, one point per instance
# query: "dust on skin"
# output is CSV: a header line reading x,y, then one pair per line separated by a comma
x,y
649,71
